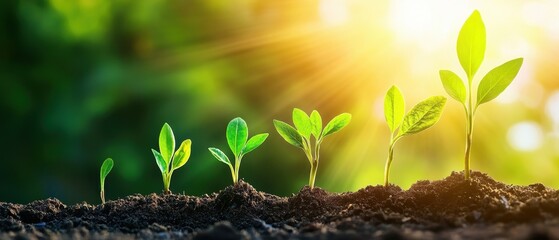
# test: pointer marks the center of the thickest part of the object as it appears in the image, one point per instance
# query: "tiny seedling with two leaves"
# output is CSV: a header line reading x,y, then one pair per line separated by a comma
x,y
106,168
470,48
237,138
167,159
307,126
424,115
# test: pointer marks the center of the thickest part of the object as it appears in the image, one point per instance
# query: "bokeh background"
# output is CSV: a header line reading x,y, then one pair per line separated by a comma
x,y
84,80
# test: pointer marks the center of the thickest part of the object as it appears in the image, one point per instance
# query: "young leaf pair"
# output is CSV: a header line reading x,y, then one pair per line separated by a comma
x,y
307,126
168,160
237,139
470,48
424,115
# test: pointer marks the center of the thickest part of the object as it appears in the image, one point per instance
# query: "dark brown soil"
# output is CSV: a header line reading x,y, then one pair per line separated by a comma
x,y
447,209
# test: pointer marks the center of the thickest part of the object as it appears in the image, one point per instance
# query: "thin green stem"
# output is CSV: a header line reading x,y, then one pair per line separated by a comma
x,y
312,176
314,160
307,150
237,167
102,193
390,158
469,131
166,183
233,173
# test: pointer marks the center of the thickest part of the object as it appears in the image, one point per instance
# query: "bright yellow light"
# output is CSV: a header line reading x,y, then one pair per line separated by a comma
x,y
333,12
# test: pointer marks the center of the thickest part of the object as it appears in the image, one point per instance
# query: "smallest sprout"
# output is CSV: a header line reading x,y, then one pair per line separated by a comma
x,y
106,168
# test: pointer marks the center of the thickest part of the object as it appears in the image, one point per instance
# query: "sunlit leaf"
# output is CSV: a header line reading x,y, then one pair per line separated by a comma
x,y
254,142
302,123
219,155
424,115
182,154
316,122
289,134
336,124
166,143
237,135
471,44
497,80
453,85
394,108
160,161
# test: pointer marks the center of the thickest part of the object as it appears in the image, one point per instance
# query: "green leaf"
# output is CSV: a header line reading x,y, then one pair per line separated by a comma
x,y
471,44
424,115
182,154
453,85
289,134
254,142
316,122
394,108
237,135
219,155
106,168
302,122
336,124
166,143
497,80
160,161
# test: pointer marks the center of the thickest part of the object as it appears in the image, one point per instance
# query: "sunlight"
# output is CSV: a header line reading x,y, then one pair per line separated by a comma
x,y
525,136
333,12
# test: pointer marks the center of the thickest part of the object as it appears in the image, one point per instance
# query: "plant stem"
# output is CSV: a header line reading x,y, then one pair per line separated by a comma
x,y
102,197
389,159
233,174
237,166
312,176
313,160
469,131
468,150
166,184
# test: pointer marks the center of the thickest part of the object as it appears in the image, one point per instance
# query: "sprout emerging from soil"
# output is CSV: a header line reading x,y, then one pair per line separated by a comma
x,y
167,159
424,115
471,50
237,138
307,126
106,168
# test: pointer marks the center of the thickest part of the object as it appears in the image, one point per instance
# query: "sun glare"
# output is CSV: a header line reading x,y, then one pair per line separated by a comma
x,y
333,12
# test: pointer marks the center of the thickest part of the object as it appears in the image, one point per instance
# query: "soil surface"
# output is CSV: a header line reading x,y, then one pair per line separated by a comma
x,y
452,208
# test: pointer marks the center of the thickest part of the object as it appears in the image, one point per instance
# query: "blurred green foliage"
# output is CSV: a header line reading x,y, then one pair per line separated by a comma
x,y
84,80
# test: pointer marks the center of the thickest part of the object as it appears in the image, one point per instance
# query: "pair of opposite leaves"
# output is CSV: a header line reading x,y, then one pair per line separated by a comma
x,y
167,161
307,126
470,48
238,141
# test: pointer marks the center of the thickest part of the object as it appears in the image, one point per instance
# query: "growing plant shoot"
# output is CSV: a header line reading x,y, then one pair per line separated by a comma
x,y
305,127
471,52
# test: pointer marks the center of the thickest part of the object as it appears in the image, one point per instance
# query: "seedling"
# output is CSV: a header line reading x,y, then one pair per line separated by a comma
x,y
237,138
305,127
424,115
106,168
471,51
166,160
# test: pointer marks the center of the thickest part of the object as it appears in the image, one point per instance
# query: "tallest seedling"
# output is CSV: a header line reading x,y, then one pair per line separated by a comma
x,y
471,50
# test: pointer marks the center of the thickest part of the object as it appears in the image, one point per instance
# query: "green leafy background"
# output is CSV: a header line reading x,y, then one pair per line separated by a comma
x,y
84,80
